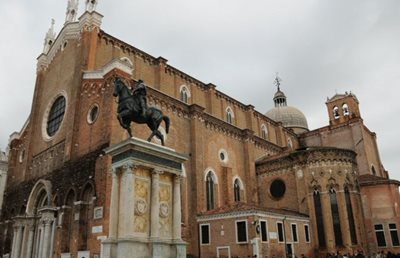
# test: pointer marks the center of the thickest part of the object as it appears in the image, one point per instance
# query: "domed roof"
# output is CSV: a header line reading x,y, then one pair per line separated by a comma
x,y
290,117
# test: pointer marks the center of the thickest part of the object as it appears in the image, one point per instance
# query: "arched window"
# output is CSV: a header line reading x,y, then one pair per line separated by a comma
x,y
210,190
264,132
335,218
85,216
237,186
319,219
350,215
345,109
229,115
184,94
373,170
336,114
68,220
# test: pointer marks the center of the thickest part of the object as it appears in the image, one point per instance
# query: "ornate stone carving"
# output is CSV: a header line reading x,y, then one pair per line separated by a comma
x,y
164,209
140,206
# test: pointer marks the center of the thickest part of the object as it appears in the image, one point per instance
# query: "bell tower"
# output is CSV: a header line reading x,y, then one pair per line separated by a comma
x,y
342,108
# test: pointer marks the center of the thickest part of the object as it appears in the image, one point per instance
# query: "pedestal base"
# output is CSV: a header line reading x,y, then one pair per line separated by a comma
x,y
141,248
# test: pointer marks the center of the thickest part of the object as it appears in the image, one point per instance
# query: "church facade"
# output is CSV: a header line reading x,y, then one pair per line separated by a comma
x,y
253,183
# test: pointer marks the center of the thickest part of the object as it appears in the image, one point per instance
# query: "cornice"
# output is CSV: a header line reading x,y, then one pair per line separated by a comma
x,y
315,158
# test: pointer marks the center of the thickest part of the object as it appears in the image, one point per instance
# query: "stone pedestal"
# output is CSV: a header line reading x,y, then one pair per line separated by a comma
x,y
145,206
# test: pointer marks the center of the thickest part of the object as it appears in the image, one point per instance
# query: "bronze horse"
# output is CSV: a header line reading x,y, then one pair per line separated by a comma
x,y
129,110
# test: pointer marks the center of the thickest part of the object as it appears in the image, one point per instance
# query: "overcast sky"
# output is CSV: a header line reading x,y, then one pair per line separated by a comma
x,y
318,47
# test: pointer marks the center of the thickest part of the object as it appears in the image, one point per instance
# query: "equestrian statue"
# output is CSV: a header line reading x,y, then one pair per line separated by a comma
x,y
132,107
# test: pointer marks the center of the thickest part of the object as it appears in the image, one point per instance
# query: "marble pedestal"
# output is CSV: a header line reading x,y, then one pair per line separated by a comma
x,y
145,206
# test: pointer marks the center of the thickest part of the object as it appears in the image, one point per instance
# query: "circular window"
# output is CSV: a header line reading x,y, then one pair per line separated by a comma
x,y
277,188
93,114
223,155
56,116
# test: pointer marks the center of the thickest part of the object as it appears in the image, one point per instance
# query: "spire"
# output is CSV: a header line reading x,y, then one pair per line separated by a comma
x,y
49,39
91,5
279,97
72,10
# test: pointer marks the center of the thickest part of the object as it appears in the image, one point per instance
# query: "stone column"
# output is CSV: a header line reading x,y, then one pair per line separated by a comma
x,y
53,236
24,244
129,200
114,205
47,234
177,216
13,249
18,241
155,203
29,246
41,240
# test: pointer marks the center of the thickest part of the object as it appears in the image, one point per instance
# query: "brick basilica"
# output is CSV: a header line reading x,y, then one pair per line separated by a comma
x,y
254,184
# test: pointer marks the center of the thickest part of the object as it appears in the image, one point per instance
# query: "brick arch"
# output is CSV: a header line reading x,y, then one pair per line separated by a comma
x,y
88,185
38,188
65,199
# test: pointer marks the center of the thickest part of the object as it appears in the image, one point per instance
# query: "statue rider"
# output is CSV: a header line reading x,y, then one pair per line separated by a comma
x,y
140,92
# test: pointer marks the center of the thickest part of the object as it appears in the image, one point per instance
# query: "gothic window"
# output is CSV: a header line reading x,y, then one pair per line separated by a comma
x,y
68,219
236,189
56,116
336,114
350,216
335,217
319,219
394,235
345,109
380,235
210,190
205,234
241,231
264,132
229,115
85,216
184,92
373,170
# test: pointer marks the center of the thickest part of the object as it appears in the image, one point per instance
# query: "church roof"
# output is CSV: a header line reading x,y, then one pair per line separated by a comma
x,y
288,116
367,180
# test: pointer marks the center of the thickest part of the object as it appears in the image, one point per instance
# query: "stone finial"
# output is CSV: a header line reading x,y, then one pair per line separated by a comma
x,y
50,37
72,10
91,5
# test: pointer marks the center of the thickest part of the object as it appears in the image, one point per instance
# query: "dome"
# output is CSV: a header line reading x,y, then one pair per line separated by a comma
x,y
290,117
